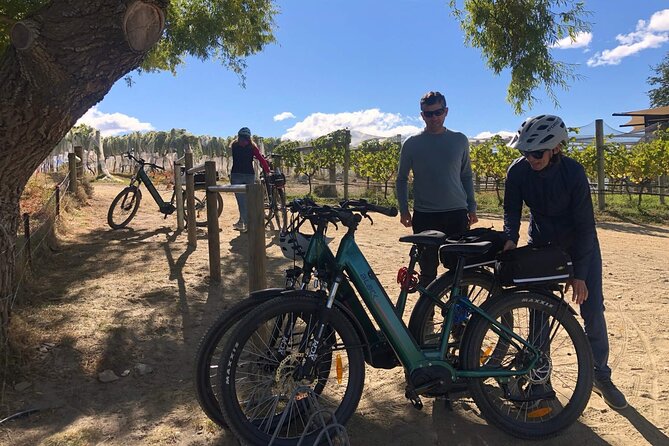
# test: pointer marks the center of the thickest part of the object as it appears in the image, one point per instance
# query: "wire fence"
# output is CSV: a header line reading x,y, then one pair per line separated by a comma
x,y
36,233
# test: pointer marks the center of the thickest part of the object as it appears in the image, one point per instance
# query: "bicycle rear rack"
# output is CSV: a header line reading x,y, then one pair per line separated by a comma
x,y
323,420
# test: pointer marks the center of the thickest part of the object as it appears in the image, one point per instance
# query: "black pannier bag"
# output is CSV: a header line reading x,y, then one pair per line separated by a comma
x,y
278,179
533,265
449,259
198,177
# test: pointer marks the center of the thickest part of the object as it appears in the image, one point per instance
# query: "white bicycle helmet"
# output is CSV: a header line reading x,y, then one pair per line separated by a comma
x,y
543,132
293,244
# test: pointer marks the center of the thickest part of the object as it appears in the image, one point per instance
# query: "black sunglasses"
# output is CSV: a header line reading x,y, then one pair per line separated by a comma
x,y
537,154
438,112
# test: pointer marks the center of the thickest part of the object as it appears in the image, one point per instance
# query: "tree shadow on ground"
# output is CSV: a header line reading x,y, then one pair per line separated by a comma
x,y
633,227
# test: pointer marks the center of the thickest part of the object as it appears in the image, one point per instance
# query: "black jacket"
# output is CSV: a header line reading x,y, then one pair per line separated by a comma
x,y
560,208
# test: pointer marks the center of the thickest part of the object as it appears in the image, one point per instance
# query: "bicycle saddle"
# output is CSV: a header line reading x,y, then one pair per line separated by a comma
x,y
429,237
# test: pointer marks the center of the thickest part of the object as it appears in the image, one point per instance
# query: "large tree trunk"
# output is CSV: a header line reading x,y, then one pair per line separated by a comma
x,y
100,153
62,61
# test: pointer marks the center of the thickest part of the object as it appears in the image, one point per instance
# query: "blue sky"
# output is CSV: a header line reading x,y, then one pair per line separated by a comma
x,y
364,64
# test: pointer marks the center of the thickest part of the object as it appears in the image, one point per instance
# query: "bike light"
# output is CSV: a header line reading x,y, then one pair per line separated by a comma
x,y
340,368
539,413
485,355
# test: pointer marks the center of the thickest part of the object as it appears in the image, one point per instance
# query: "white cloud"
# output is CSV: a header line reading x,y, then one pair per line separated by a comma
x,y
111,124
283,116
372,122
659,22
487,135
580,40
650,34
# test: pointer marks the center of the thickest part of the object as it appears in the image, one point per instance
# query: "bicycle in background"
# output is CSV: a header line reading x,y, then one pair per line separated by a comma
x,y
275,195
124,207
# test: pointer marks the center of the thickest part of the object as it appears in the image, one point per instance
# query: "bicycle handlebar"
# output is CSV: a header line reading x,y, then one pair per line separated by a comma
x,y
141,162
348,212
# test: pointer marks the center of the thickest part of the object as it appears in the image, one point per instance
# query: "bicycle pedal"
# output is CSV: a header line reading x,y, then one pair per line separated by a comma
x,y
414,398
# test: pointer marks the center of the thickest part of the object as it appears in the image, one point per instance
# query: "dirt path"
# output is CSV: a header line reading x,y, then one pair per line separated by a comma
x,y
139,296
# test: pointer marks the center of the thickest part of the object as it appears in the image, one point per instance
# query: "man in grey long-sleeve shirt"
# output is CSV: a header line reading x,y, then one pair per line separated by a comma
x,y
442,180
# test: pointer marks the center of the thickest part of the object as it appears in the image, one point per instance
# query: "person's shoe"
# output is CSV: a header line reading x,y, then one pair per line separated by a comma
x,y
239,226
612,396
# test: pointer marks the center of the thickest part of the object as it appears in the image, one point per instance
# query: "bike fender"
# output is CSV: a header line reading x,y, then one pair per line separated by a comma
x,y
266,294
545,293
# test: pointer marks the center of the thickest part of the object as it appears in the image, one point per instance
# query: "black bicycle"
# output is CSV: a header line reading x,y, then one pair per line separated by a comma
x,y
124,207
275,196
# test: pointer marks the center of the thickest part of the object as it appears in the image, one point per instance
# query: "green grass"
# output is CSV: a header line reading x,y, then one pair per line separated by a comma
x,y
619,207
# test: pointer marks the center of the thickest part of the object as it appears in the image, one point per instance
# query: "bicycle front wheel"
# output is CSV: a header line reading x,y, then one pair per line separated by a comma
x,y
277,373
208,356
124,207
556,390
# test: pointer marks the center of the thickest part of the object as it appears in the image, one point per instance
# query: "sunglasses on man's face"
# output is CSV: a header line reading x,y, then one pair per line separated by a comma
x,y
537,154
438,112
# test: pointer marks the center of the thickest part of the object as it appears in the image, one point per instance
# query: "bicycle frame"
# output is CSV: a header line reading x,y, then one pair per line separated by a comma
x,y
350,260
141,177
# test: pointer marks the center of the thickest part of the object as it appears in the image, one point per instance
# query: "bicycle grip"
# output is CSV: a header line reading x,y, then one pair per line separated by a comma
x,y
390,212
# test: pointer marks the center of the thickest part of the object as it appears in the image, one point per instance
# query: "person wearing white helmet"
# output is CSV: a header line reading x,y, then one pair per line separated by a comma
x,y
443,188
243,151
556,190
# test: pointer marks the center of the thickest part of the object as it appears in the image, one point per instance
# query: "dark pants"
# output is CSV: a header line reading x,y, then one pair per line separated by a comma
x,y
450,223
592,312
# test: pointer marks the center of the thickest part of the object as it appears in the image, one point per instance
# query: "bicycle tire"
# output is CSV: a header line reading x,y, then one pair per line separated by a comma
x,y
425,322
201,208
208,356
129,199
282,208
276,216
243,366
528,406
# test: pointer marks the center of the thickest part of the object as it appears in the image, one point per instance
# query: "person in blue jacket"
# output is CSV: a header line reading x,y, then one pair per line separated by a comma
x,y
557,192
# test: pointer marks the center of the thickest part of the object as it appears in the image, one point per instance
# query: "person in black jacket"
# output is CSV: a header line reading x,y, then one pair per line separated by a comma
x,y
243,151
557,192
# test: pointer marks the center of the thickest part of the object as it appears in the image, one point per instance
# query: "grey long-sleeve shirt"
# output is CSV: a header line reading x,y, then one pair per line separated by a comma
x,y
442,173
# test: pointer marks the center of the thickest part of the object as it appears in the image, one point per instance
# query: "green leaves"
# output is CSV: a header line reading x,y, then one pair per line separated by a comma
x,y
517,35
659,96
225,30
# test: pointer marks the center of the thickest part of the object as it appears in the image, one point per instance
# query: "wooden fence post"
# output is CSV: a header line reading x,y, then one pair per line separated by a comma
x,y
256,233
190,200
212,223
57,200
72,161
599,141
179,196
79,151
347,163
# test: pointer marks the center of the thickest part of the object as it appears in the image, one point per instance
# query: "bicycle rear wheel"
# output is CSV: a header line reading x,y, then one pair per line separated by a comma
x,y
124,207
201,207
426,321
265,363
555,391
282,209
